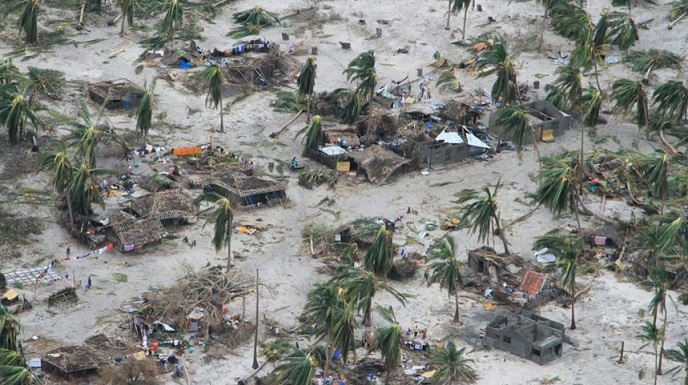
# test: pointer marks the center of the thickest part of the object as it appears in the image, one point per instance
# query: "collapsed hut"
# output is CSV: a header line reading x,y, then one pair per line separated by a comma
x,y
248,191
116,94
170,207
71,361
265,70
379,163
132,235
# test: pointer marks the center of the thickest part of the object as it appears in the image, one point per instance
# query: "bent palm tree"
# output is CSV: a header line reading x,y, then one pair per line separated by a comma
x,y
306,82
623,31
452,365
172,20
446,269
647,61
144,113
86,136
592,101
28,20
570,81
628,94
482,212
362,69
515,124
17,108
672,98
388,341
361,286
297,369
656,176
314,136
591,48
380,255
567,248
352,108
58,162
570,19
223,217
680,355
496,60
559,184
212,80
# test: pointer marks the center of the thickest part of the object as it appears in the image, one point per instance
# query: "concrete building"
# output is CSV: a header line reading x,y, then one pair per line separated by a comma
x,y
526,335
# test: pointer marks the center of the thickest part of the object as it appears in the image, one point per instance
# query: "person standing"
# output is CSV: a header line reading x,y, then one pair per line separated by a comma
x,y
68,252
88,283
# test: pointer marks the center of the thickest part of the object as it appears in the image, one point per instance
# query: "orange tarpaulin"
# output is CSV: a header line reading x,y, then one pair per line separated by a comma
x,y
187,151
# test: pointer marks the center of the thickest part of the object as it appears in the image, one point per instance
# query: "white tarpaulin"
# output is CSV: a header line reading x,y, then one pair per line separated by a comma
x,y
333,150
449,137
475,142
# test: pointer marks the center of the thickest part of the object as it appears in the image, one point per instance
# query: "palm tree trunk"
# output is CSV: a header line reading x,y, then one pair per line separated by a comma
x,y
387,372
573,300
537,149
222,118
69,204
229,244
448,27
597,75
671,148
656,362
647,73
463,30
368,315
121,30
542,31
661,348
501,233
308,109
328,357
457,314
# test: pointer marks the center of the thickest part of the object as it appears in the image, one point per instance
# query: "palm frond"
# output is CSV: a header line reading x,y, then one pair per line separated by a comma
x,y
256,16
592,100
448,81
352,108
297,369
672,98
623,31
314,135
515,125
644,61
629,94
286,101
362,70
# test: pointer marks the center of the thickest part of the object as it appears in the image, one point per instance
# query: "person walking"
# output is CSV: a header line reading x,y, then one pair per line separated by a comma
x,y
68,252
88,283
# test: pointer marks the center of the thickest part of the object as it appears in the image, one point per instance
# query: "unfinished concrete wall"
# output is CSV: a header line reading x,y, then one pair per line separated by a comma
x,y
433,152
529,337
544,116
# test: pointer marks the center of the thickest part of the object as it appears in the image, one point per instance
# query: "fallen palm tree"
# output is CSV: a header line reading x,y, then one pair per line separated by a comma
x,y
252,21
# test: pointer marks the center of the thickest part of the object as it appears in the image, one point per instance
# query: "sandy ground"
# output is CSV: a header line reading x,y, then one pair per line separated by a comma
x,y
608,315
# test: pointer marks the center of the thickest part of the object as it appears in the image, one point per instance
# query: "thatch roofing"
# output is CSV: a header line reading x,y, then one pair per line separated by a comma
x,y
379,163
163,205
244,186
71,360
139,232
114,89
344,133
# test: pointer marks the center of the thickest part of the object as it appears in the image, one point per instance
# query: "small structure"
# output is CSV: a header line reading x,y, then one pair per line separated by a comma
x,y
64,297
170,206
547,121
527,335
532,282
32,276
379,163
248,191
115,94
71,361
134,234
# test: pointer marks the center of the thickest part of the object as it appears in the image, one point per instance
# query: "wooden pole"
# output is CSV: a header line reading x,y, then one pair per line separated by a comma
x,y
621,356
255,338
276,133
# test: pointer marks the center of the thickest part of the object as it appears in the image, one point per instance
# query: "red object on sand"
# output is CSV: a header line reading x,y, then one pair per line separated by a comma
x,y
596,181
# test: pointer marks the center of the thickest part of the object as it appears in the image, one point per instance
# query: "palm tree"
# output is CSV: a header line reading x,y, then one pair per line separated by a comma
x,y
570,19
352,108
515,124
567,248
84,190
314,135
212,80
570,81
306,82
592,104
672,98
223,217
482,212
28,21
296,369
172,20
457,6
361,287
452,365
343,331
446,269
628,94
58,162
680,355
127,9
362,69
559,184
590,50
546,4
380,255
660,282
9,330
679,10
657,175
388,341
144,113
496,60
623,31
17,108
654,336
86,136
14,369
10,73
647,61
448,80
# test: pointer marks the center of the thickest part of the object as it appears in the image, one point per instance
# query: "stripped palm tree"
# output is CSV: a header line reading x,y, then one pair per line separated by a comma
x,y
629,94
514,123
448,80
222,216
144,113
388,342
296,369
352,108
591,48
212,80
10,73
172,20
306,82
458,6
481,211
28,20
362,70
496,60
343,331
127,9
567,248
592,102
452,365
380,255
361,287
656,176
445,269
59,164
660,283
647,61
652,335
314,136
17,108
680,355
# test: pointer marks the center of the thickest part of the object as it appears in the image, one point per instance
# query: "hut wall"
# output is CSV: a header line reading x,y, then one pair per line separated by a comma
x,y
441,153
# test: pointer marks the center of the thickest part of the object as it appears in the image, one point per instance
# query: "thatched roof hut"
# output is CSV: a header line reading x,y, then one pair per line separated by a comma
x,y
165,205
132,235
71,361
115,94
345,135
379,163
248,191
